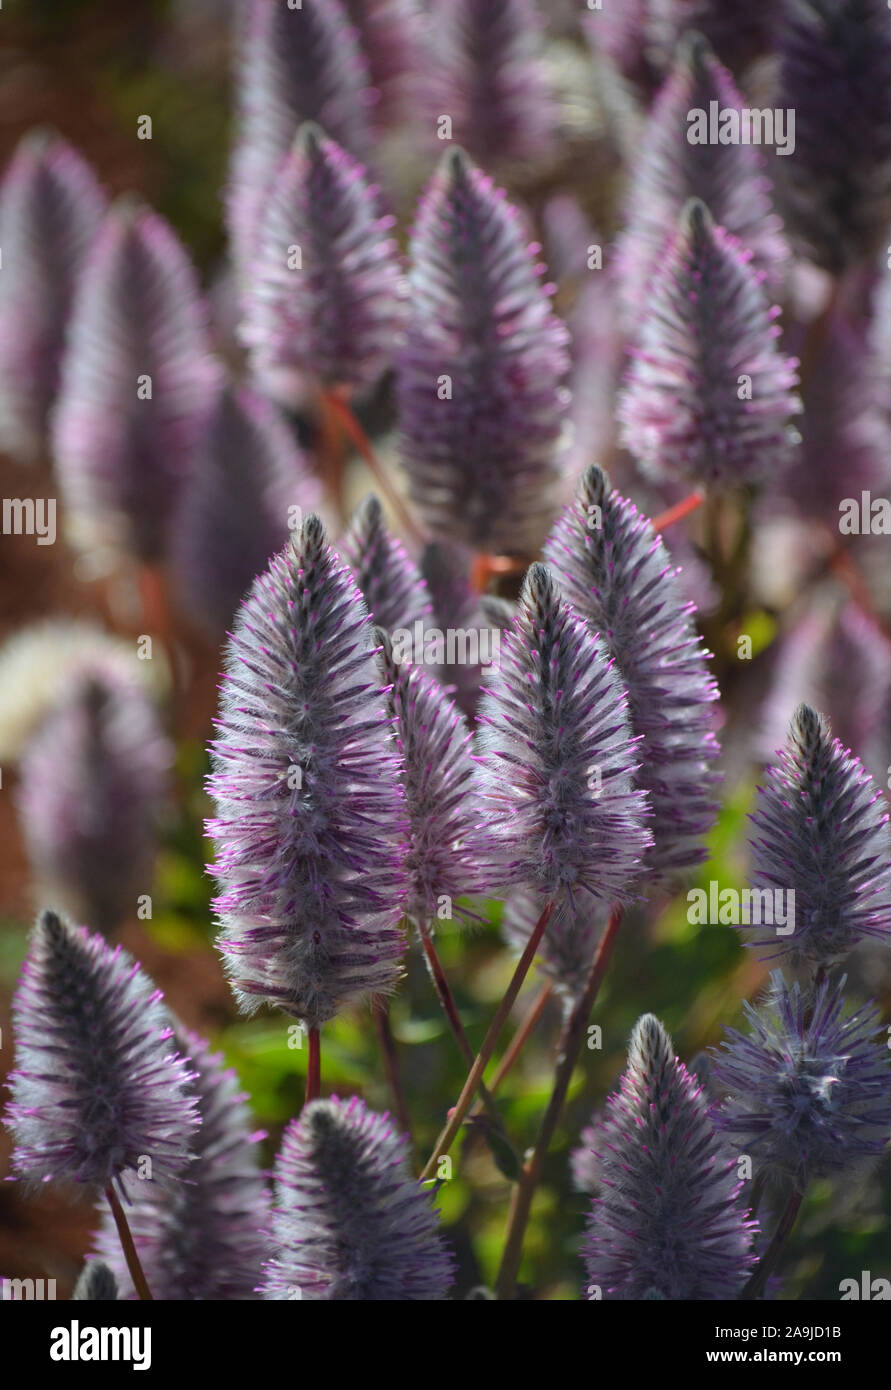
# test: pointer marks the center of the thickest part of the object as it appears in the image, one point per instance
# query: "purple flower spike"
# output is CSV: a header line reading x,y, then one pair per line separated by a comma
x,y
51,208
350,1223
202,1238
709,396
835,73
479,389
729,179
92,786
616,572
559,756
821,833
810,1091
641,36
295,64
249,481
98,1086
390,582
137,383
449,851
668,1223
325,300
310,814
489,79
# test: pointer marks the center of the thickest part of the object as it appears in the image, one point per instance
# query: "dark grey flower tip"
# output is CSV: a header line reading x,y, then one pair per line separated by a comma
x,y
309,138
595,485
696,217
96,1283
310,534
809,729
538,586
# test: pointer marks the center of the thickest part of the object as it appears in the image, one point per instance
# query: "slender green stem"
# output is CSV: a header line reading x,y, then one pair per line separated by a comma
x,y
471,1085
571,1044
125,1235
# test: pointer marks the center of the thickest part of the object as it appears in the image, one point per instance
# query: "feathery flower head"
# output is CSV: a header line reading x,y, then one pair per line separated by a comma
x,y
98,1086
558,756
203,1238
325,297
137,383
479,390
810,1090
617,574
235,507
640,37
835,73
448,846
708,396
668,1222
295,64
391,583
310,814
488,76
93,782
729,179
51,208
821,832
350,1223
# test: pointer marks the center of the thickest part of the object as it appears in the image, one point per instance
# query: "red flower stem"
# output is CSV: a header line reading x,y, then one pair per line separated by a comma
x,y
571,1044
471,1085
354,431
314,1067
140,1283
678,511
380,1008
330,447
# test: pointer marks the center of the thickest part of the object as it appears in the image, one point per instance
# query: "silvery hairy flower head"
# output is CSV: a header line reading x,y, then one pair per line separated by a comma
x,y
821,837
835,74
93,782
708,396
558,756
51,208
391,583
479,379
204,1237
668,1222
672,168
617,574
809,1089
325,297
295,64
350,1223
137,382
488,76
98,1085
448,843
309,811
249,479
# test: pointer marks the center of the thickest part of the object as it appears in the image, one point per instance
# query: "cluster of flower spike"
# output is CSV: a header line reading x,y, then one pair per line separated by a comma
x,y
358,790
